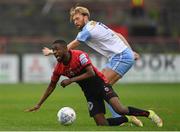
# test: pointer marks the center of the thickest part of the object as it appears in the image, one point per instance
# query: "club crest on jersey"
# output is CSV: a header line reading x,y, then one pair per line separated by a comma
x,y
83,59
71,73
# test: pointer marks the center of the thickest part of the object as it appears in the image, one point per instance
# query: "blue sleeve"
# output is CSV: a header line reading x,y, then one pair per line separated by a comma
x,y
83,36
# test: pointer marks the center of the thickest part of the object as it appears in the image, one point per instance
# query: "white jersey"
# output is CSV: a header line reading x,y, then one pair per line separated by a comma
x,y
101,38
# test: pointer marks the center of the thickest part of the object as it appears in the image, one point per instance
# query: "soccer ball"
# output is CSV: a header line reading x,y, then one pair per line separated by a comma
x,y
66,116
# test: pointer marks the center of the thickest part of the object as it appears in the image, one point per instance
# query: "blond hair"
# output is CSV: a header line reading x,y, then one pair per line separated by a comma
x,y
79,9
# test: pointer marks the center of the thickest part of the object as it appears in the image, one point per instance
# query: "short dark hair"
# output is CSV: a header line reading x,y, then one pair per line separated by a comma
x,y
59,41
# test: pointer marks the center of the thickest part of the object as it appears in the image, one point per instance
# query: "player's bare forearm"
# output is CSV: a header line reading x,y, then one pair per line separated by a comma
x,y
123,39
74,44
48,91
136,55
89,73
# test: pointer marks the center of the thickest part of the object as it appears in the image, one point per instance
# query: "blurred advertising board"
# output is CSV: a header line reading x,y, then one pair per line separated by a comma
x,y
150,68
37,68
9,69
155,68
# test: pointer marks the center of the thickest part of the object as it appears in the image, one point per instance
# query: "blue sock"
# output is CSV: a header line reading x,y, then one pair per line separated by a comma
x,y
114,114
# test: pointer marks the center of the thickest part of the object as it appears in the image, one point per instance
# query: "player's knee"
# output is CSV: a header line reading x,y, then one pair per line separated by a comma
x,y
100,120
101,123
121,110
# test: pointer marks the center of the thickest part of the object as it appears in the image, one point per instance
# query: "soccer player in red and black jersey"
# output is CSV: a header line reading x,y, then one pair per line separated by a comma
x,y
77,66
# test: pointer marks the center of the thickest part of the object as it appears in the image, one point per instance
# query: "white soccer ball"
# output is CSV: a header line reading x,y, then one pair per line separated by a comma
x,y
66,116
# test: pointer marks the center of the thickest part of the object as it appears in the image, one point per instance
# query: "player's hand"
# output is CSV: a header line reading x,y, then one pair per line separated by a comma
x,y
66,82
46,51
136,56
35,108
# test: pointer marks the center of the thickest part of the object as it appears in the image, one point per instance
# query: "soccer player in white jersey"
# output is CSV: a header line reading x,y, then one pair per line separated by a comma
x,y
105,41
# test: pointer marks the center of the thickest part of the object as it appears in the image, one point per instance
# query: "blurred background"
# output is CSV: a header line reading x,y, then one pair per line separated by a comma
x,y
151,27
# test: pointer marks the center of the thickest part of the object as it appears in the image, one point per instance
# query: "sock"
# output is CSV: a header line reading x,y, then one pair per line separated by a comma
x,y
117,121
113,113
138,112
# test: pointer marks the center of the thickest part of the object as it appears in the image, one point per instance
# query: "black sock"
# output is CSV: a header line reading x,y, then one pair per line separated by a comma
x,y
117,121
137,112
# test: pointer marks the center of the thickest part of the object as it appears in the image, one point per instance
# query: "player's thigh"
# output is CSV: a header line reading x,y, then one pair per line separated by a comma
x,y
112,98
117,105
111,75
100,119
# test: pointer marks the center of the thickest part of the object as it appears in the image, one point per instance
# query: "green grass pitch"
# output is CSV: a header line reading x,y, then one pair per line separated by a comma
x,y
15,98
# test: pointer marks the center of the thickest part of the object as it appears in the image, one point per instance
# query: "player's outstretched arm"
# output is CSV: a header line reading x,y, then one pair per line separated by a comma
x,y
123,39
74,44
46,51
48,92
136,55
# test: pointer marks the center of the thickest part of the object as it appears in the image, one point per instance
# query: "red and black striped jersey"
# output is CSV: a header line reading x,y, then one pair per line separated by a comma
x,y
76,66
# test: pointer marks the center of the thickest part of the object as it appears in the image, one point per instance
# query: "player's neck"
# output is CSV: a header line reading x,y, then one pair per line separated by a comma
x,y
66,58
86,22
84,25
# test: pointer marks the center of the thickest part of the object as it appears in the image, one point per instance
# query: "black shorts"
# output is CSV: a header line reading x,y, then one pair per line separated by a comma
x,y
96,101
96,91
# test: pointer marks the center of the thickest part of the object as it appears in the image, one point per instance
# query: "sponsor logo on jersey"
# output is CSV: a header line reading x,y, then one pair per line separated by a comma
x,y
83,59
